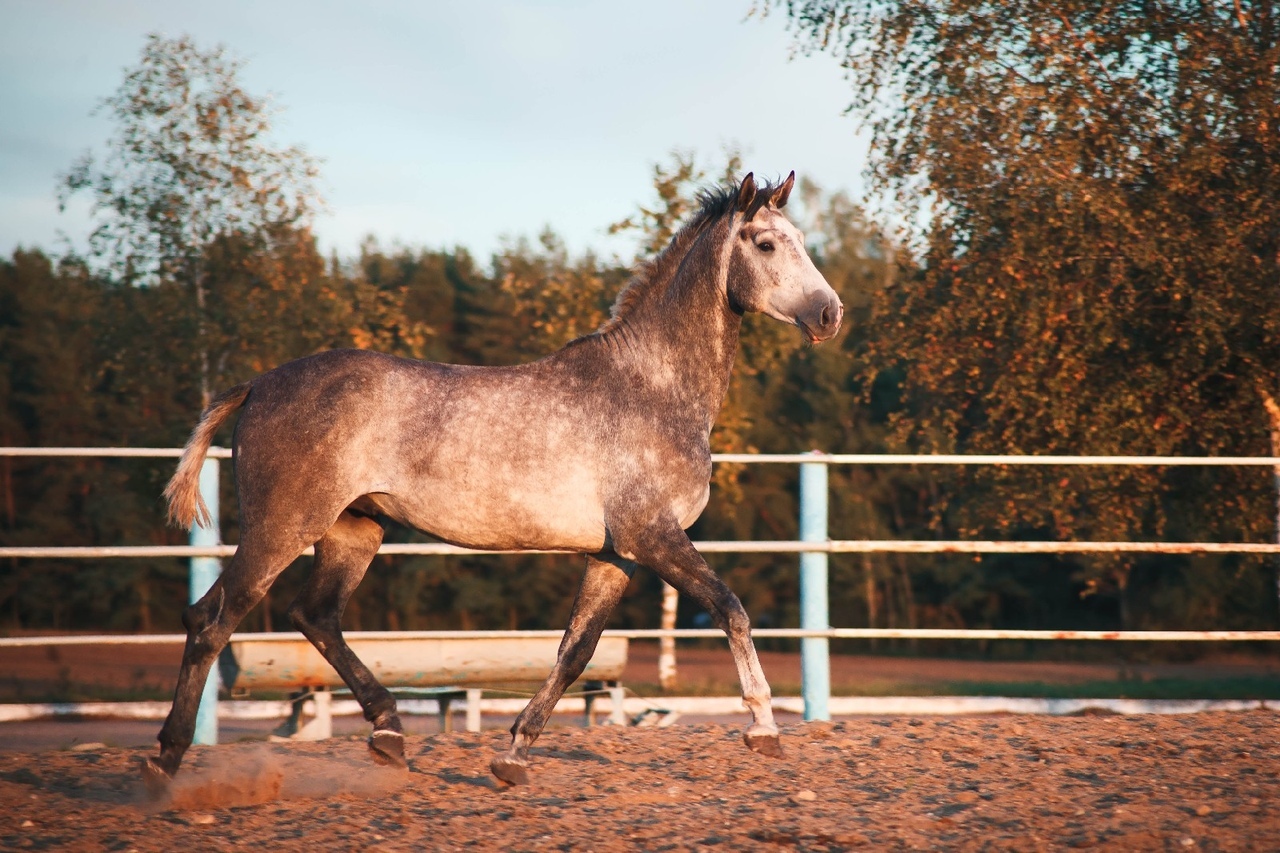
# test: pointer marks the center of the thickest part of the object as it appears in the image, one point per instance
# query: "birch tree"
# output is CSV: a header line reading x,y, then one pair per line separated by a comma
x,y
190,163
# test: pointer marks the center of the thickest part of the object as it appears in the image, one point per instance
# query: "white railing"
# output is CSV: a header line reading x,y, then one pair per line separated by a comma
x,y
827,546
813,547
805,545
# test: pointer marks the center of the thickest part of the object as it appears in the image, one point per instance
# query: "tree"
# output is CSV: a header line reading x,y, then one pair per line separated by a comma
x,y
553,297
1099,265
190,164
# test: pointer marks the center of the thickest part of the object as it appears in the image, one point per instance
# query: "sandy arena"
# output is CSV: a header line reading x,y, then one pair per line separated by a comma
x,y
1199,782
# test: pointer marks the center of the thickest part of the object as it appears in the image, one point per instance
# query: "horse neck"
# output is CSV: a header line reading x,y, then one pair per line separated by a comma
x,y
681,340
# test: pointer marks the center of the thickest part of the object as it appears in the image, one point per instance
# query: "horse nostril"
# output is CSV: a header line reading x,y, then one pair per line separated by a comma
x,y
826,316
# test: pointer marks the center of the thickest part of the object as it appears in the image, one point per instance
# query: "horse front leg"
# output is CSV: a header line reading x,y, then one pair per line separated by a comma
x,y
603,584
672,556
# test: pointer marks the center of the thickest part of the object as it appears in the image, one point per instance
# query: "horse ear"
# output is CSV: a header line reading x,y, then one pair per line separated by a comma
x,y
780,195
747,192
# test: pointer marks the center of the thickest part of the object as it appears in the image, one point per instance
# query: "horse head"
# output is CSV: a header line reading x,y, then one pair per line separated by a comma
x,y
769,269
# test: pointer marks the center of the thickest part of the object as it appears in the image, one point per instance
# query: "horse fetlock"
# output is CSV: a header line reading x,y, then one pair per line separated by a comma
x,y
175,737
761,716
382,712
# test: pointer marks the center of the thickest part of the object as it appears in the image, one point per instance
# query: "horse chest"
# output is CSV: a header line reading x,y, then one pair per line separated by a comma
x,y
661,480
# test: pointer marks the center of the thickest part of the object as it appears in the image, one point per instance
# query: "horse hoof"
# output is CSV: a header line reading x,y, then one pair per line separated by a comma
x,y
765,744
387,748
154,779
510,770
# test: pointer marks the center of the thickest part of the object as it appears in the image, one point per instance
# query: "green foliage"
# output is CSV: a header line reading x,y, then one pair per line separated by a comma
x,y
1097,273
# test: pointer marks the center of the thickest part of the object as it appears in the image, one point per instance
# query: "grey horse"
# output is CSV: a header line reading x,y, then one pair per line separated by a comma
x,y
601,448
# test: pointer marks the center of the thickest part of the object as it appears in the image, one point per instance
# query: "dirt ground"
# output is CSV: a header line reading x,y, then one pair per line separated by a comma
x,y
1199,782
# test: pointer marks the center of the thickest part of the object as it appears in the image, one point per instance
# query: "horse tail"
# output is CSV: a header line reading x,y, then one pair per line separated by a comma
x,y
186,505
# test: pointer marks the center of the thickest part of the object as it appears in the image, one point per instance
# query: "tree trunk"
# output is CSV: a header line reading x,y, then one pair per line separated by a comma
x,y
10,506
11,516
908,599
1126,612
873,604
667,675
202,339
144,606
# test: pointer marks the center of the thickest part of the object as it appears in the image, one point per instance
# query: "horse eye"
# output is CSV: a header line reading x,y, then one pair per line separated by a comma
x,y
765,246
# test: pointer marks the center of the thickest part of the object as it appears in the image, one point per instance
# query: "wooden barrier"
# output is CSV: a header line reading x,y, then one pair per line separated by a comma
x,y
445,668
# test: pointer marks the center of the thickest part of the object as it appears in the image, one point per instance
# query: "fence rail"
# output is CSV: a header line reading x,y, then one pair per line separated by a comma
x,y
812,547
781,546
691,634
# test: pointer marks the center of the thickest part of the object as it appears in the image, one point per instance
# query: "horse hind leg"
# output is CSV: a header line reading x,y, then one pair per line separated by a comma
x,y
343,555
210,623
602,587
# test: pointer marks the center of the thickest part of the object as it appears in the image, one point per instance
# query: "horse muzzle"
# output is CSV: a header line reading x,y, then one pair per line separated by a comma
x,y
820,319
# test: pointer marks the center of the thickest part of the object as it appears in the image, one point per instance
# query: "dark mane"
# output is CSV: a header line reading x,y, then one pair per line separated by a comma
x,y
714,203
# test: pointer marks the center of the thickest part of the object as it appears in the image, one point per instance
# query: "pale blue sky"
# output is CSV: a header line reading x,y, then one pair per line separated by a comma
x,y
442,124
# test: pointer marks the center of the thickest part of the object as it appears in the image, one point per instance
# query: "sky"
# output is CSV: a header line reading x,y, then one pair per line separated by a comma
x,y
442,124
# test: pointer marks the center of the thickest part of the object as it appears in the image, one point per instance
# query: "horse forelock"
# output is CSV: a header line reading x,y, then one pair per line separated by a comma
x,y
714,204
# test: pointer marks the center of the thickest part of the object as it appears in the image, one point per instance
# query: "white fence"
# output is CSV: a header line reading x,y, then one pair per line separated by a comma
x,y
812,546
825,546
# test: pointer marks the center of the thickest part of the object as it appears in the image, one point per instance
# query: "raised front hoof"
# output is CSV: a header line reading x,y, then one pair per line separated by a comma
x,y
155,780
387,748
510,770
766,744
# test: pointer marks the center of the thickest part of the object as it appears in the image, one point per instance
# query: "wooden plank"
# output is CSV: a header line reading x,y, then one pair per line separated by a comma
x,y
411,662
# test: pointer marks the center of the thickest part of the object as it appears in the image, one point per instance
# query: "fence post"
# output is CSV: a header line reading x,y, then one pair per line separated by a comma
x,y
204,571
815,663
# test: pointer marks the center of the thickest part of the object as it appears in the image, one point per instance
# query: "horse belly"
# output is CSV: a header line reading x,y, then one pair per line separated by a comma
x,y
498,514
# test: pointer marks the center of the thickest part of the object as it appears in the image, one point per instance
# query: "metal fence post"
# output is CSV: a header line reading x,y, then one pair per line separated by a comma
x,y
815,664
204,571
